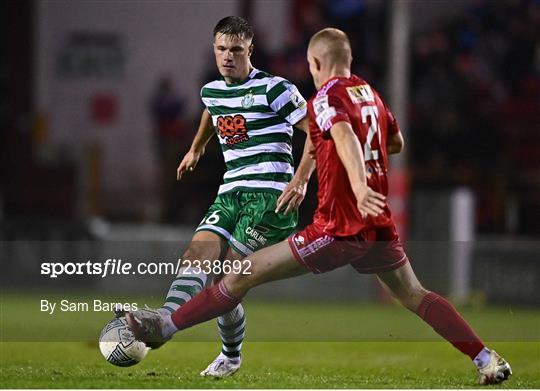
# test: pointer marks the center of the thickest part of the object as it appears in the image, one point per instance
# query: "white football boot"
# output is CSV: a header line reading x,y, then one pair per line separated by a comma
x,y
223,366
496,371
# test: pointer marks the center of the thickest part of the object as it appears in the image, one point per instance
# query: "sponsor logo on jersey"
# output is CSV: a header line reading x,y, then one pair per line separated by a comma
x,y
248,100
323,112
361,94
297,100
232,129
256,235
325,117
252,243
320,104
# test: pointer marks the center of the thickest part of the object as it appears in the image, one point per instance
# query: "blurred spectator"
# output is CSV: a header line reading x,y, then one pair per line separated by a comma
x,y
167,111
475,107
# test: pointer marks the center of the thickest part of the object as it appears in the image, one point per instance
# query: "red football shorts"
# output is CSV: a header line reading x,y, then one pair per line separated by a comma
x,y
373,251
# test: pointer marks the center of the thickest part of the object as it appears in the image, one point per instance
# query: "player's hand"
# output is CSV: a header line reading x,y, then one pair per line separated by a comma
x,y
188,163
292,196
370,202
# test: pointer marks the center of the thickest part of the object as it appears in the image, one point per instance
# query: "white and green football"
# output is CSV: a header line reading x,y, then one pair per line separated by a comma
x,y
119,346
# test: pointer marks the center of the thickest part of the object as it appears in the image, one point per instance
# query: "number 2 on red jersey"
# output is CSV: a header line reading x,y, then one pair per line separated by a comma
x,y
370,115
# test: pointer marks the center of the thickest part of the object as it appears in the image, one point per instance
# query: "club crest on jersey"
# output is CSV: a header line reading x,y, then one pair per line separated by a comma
x,y
232,129
361,94
248,100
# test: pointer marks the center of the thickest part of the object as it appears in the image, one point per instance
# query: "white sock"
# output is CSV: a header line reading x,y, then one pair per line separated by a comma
x,y
168,328
482,358
232,328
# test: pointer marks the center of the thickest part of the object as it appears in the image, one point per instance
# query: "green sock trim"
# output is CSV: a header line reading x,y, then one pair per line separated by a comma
x,y
189,289
231,354
196,279
232,344
235,335
168,308
176,300
233,326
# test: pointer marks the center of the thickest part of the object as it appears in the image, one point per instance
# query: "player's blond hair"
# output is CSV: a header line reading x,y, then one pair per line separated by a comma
x,y
332,44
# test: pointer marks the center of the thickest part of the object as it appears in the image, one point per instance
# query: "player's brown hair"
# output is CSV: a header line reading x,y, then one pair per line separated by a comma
x,y
235,26
333,44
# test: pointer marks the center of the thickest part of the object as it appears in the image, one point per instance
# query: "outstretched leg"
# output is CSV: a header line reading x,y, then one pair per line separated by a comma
x,y
271,263
445,320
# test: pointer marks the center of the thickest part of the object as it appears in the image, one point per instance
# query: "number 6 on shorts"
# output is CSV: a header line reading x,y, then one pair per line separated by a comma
x,y
213,218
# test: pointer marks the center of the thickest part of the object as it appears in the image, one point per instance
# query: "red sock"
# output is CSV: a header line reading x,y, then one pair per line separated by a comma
x,y
208,304
448,323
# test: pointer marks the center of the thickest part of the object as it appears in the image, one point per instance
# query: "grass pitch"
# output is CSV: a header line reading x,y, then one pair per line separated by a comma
x,y
288,346
266,365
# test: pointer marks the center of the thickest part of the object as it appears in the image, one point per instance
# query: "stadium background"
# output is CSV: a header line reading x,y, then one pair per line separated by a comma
x,y
101,100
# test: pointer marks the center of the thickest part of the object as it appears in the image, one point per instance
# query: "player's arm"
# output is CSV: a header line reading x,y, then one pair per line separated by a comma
x,y
350,153
204,134
287,102
394,143
394,140
293,195
303,125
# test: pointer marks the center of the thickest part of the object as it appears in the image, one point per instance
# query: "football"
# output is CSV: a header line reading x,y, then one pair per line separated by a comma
x,y
119,346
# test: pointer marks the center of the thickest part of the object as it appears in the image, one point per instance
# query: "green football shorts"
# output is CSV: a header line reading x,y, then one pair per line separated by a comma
x,y
247,221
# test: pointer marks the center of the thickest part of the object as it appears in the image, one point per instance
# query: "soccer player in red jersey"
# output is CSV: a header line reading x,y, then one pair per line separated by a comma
x,y
352,131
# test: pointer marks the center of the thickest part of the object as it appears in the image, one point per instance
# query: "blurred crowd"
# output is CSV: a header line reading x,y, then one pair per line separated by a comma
x,y
473,112
474,96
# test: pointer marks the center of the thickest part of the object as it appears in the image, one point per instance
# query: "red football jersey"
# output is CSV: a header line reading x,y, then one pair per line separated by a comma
x,y
354,101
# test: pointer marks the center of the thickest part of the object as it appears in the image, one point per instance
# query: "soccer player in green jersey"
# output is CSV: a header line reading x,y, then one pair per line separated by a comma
x,y
253,114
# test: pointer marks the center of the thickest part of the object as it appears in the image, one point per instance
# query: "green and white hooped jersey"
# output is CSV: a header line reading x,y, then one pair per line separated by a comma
x,y
253,120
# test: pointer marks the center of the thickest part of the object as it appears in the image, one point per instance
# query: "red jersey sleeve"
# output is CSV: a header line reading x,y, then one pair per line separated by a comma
x,y
393,126
329,109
